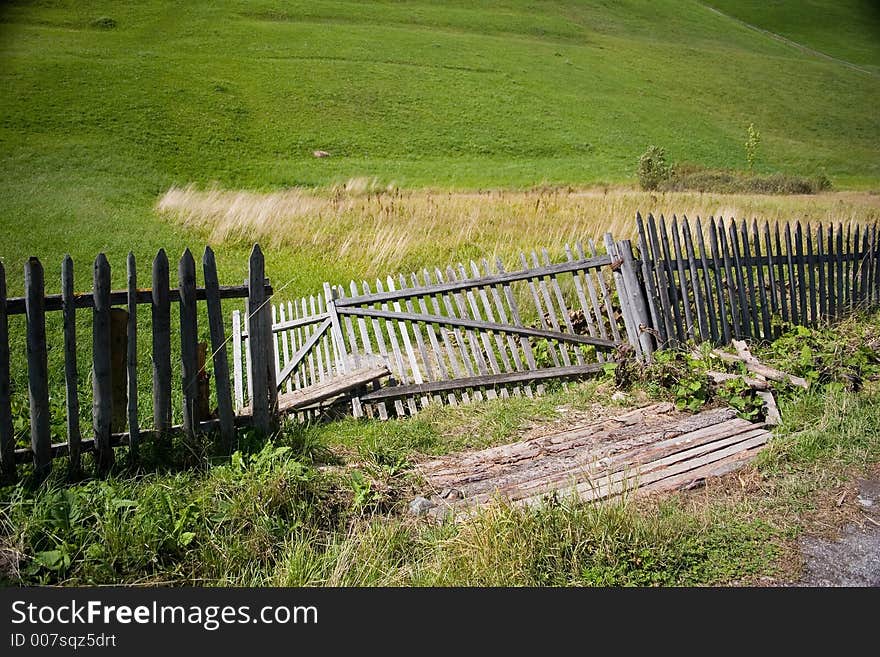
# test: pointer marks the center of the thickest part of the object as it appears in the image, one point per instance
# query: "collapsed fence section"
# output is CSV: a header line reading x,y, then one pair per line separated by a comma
x,y
115,359
470,332
722,280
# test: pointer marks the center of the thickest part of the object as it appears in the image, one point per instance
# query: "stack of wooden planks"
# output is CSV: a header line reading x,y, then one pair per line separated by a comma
x,y
650,449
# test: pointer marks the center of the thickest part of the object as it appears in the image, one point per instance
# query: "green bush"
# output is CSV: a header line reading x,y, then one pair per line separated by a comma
x,y
653,168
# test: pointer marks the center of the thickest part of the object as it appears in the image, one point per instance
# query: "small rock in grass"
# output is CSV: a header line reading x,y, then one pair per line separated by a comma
x,y
420,506
321,154
451,494
618,396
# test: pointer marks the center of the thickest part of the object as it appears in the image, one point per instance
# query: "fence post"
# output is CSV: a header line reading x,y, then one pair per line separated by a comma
x,y
71,376
102,408
264,400
38,367
7,432
218,350
161,313
131,364
629,321
186,271
336,328
636,297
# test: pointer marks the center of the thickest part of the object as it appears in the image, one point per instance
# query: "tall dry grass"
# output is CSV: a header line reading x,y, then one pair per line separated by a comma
x,y
378,230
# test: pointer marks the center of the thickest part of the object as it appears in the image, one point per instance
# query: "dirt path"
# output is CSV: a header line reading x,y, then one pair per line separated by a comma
x,y
854,559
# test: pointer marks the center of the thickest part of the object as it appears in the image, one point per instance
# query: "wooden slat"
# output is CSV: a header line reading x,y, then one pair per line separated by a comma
x,y
475,313
340,357
630,318
161,325
285,347
407,343
662,280
750,278
732,294
649,277
71,374
487,380
589,311
874,271
380,341
864,259
132,360
762,288
350,334
225,412
542,318
780,276
847,267
322,357
792,277
258,348
680,328
505,363
479,359
189,337
517,320
102,410
683,283
236,360
811,277
455,371
832,287
38,368
771,272
709,299
307,347
560,301
842,283
548,304
443,371
378,408
603,288
503,318
720,291
7,430
635,299
507,277
397,353
700,303
332,387
801,273
739,266
823,290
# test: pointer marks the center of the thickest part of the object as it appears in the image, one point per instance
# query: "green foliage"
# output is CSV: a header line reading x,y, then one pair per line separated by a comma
x,y
694,177
753,140
653,170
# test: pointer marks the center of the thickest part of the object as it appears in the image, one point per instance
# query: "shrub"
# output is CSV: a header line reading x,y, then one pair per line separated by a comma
x,y
653,168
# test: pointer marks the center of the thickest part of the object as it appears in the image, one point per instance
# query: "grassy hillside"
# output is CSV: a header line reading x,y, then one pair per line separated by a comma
x,y
105,106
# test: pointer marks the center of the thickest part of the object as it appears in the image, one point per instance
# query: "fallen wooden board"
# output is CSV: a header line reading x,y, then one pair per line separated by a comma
x,y
650,449
331,387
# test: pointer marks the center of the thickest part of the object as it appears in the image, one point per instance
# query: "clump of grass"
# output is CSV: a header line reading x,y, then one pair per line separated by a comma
x,y
692,177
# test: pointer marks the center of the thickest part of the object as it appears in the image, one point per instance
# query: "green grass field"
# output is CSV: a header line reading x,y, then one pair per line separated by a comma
x,y
100,117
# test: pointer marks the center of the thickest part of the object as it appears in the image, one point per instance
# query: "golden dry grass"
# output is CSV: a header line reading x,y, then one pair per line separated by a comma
x,y
380,230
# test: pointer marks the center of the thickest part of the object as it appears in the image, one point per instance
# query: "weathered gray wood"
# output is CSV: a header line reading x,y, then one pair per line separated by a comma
x,y
649,277
609,306
407,343
102,409
732,300
820,256
302,352
635,298
750,278
487,380
754,365
38,368
132,360
161,320
276,338
7,429
517,321
321,346
714,327
739,266
560,300
236,360
472,335
539,310
829,253
669,331
590,311
863,267
455,286
456,371
383,351
762,289
682,281
811,277
189,337
801,274
71,375
489,312
842,283
771,272
700,303
443,371
285,348
352,346
492,355
719,281
548,304
503,318
259,346
847,267
397,353
874,271
785,283
341,354
680,328
332,387
225,412
630,320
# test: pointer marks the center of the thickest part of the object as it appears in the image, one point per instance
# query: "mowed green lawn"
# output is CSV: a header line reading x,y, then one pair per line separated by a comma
x,y
97,120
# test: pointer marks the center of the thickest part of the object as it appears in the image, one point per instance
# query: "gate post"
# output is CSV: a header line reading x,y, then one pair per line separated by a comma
x,y
336,329
636,291
264,401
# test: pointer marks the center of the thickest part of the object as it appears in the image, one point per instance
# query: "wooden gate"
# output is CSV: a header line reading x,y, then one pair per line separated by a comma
x,y
469,332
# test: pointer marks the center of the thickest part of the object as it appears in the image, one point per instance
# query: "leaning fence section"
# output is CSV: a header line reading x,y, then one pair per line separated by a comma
x,y
115,359
467,332
720,280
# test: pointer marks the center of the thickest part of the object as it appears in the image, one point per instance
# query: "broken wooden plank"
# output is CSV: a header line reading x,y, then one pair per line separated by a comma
x,y
331,387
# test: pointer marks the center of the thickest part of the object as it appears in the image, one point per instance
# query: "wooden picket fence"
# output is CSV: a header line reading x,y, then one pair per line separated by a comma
x,y
115,358
723,280
468,332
